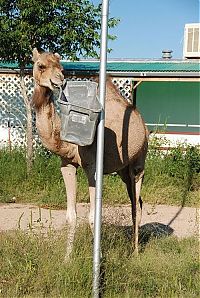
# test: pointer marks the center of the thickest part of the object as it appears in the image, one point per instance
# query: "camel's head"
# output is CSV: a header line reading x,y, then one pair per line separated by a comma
x,y
47,70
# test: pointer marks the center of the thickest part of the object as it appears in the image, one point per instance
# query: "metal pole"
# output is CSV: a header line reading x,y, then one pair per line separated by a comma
x,y
100,151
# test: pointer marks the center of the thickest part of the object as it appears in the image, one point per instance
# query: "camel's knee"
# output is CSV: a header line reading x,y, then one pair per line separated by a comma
x,y
68,170
71,217
69,176
92,207
138,186
91,221
138,183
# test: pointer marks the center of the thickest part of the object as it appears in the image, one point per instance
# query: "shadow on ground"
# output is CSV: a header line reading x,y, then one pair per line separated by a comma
x,y
147,231
153,230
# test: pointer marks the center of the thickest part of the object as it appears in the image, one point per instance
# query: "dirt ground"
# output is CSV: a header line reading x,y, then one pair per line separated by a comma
x,y
180,221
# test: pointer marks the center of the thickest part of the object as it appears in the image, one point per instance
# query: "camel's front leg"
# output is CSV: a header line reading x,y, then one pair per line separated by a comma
x,y
92,207
92,191
69,176
90,173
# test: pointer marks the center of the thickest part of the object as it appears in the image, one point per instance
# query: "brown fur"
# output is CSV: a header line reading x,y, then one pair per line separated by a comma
x,y
41,96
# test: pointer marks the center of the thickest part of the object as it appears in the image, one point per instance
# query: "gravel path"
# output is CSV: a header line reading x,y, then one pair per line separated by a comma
x,y
180,221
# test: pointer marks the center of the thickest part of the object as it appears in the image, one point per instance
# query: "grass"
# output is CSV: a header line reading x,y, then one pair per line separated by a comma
x,y
176,176
173,179
32,266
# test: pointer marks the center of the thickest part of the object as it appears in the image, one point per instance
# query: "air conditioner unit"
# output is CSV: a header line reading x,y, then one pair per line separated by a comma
x,y
191,47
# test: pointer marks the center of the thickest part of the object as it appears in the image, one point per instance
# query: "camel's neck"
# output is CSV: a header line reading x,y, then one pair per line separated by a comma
x,y
48,125
41,96
47,120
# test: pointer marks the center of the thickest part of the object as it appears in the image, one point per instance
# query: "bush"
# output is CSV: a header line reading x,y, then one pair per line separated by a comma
x,y
172,176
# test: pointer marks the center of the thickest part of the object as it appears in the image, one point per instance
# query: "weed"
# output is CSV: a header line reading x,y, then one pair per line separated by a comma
x,y
32,266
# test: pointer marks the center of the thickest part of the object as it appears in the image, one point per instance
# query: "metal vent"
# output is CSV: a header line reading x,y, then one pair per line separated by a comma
x,y
167,54
192,41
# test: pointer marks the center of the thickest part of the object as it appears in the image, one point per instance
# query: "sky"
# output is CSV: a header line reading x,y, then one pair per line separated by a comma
x,y
149,26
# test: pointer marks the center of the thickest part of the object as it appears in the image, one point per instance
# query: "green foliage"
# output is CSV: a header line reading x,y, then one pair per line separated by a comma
x,y
172,177
180,163
32,266
28,188
70,27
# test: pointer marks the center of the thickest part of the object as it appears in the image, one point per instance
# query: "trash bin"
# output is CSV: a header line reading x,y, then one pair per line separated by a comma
x,y
80,110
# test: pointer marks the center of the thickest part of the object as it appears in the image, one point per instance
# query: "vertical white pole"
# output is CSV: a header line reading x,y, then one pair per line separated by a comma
x,y
100,151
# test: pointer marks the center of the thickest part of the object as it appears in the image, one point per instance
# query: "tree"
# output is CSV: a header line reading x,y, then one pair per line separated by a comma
x,y
70,27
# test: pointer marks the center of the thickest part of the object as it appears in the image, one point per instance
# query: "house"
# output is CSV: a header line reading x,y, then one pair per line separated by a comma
x,y
166,90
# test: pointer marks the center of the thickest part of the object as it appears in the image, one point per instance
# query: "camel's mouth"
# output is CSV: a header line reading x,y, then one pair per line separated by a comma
x,y
57,84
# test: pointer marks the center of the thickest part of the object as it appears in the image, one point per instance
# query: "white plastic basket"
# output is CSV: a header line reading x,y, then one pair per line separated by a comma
x,y
80,110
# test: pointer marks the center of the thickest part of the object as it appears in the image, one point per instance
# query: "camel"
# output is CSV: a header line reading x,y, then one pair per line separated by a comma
x,y
126,141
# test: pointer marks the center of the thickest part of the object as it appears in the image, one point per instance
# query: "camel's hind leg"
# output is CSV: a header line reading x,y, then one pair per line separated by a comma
x,y
69,176
136,210
91,181
133,188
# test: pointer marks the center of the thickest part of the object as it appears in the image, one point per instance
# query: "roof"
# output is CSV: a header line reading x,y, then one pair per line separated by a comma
x,y
128,68
136,66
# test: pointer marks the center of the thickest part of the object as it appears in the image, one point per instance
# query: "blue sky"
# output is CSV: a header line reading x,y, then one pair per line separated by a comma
x,y
149,26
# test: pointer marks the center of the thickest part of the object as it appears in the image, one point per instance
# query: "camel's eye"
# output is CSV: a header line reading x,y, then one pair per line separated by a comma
x,y
41,66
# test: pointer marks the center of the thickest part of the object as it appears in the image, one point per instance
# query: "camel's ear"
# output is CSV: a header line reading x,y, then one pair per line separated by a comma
x,y
36,55
57,56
